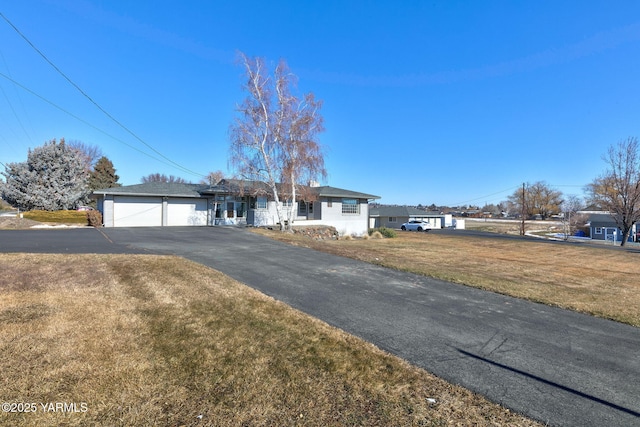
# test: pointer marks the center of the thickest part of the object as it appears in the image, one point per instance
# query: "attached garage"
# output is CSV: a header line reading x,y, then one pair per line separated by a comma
x,y
137,211
186,212
154,204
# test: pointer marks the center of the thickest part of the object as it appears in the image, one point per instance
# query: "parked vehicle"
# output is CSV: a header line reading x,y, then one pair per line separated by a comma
x,y
416,225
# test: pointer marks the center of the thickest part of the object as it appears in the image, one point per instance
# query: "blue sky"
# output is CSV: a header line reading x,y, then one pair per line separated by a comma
x,y
445,102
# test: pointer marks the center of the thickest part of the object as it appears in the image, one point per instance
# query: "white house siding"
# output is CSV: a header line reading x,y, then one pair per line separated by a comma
x,y
136,211
263,217
346,224
186,212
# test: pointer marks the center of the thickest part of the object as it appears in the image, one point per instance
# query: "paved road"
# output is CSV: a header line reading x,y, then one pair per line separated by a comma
x,y
65,241
557,366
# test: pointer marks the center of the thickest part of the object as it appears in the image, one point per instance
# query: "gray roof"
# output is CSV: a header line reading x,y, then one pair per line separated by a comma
x,y
155,189
326,191
237,186
602,220
226,186
401,211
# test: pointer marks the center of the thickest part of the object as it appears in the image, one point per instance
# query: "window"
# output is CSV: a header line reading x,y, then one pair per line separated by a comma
x,y
393,219
286,203
305,207
329,202
261,203
240,208
598,230
350,206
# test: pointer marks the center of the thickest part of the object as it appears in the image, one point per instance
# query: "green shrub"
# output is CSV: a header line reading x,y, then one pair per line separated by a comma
x,y
94,218
65,217
386,232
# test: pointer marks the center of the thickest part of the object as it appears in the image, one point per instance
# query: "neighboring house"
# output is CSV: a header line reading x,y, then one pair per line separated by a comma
x,y
230,202
602,226
395,216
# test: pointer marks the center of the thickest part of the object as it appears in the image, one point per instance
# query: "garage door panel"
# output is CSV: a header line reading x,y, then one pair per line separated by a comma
x,y
187,212
137,211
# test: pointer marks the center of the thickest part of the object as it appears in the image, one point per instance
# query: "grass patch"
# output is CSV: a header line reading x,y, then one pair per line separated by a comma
x,y
595,281
65,217
384,231
148,340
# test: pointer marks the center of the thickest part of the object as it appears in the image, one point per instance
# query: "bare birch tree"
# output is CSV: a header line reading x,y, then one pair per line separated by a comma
x,y
618,189
274,138
302,160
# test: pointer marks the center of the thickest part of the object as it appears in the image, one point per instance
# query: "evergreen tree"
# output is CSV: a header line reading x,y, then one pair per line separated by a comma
x,y
103,175
52,178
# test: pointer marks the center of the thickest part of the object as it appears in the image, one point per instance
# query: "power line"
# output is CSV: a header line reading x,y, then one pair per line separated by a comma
x,y
485,197
11,105
81,120
95,103
511,189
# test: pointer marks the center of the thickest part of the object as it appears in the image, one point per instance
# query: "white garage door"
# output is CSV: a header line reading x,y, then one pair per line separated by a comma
x,y
186,212
137,211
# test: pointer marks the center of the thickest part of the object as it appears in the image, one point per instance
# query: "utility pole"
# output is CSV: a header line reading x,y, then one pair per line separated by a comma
x,y
524,210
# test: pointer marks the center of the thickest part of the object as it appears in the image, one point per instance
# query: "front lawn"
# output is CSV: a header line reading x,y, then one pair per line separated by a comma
x,y
147,340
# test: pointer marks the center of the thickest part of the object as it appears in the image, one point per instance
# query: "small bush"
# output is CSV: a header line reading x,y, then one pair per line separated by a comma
x,y
94,218
65,217
386,232
376,235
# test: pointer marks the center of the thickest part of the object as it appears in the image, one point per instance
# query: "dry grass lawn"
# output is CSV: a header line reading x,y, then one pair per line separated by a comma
x,y
597,281
15,223
161,341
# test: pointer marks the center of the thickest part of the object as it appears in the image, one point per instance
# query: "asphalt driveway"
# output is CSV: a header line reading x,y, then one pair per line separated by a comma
x,y
553,365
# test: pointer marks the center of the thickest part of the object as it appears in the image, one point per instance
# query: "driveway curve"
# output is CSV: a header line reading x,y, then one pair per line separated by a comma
x,y
556,366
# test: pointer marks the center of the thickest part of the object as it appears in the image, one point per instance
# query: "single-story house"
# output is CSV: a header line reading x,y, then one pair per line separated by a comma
x,y
602,226
395,216
230,202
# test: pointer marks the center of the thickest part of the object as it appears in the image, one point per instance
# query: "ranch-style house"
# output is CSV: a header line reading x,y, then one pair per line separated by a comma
x,y
230,202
